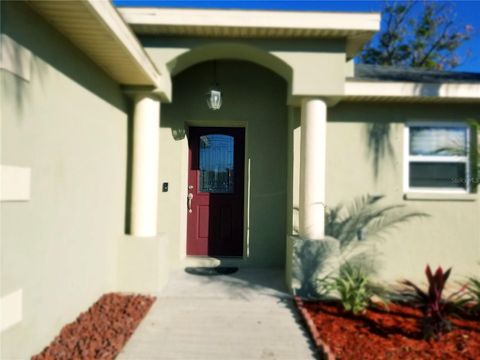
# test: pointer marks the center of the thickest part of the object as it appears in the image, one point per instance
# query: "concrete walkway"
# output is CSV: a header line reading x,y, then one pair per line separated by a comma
x,y
243,316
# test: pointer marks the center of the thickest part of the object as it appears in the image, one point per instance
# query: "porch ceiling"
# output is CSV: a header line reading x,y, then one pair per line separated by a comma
x,y
356,28
97,29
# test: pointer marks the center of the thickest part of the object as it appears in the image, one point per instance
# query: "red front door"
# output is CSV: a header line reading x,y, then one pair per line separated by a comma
x,y
215,191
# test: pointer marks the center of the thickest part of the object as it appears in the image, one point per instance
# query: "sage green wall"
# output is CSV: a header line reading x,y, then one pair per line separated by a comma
x,y
254,97
311,67
449,237
69,125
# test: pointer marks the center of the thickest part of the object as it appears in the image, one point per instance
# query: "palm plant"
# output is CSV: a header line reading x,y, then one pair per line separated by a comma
x,y
350,225
363,219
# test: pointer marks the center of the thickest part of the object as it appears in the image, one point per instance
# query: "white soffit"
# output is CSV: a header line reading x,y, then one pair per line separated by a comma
x,y
356,90
357,28
99,31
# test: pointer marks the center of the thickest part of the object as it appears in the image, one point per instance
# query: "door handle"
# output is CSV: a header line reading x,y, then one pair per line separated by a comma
x,y
190,197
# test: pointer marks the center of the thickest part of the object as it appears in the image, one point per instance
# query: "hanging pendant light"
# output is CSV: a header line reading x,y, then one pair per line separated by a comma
x,y
214,95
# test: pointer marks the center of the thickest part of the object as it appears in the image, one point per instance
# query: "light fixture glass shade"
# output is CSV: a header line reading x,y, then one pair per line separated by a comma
x,y
214,99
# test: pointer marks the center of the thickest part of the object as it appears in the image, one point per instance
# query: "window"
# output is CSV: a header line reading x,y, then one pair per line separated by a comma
x,y
437,157
216,164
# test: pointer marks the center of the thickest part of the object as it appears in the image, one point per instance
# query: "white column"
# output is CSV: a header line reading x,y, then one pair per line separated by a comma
x,y
312,169
146,121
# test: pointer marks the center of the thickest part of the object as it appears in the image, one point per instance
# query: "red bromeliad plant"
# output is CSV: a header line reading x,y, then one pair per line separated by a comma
x,y
434,307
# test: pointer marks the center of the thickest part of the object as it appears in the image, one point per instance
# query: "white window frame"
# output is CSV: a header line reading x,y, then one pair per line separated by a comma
x,y
437,158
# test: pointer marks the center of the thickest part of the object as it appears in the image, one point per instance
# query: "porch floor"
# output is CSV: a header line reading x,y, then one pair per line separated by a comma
x,y
243,316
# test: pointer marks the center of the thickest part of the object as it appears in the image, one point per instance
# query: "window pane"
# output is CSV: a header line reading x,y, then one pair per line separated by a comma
x,y
216,164
437,175
425,140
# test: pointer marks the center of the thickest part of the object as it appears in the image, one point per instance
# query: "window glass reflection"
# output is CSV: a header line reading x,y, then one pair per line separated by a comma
x,y
216,164
439,141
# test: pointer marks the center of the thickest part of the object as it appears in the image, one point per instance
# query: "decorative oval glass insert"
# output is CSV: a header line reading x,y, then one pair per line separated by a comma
x,y
216,164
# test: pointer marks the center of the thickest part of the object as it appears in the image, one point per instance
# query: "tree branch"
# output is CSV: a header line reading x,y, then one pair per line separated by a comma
x,y
434,46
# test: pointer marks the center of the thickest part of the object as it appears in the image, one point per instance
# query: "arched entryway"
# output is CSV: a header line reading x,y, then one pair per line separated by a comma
x,y
255,102
276,97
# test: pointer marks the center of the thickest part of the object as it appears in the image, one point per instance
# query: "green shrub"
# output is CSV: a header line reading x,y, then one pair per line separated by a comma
x,y
354,289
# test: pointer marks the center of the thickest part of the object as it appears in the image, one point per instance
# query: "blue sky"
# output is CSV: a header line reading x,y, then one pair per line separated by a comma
x,y
467,12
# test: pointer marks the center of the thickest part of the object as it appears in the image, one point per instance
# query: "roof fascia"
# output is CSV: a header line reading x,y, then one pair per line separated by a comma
x,y
389,89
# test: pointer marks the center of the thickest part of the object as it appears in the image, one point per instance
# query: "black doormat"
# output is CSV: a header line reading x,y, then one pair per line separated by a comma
x,y
211,271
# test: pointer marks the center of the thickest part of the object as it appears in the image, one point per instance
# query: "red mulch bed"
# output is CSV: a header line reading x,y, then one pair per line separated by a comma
x,y
379,334
102,331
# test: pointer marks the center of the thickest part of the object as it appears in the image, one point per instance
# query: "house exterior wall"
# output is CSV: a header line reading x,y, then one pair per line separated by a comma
x,y
68,124
65,123
310,67
449,237
254,98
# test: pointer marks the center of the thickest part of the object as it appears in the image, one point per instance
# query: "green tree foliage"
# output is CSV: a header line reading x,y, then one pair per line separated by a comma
x,y
418,34
414,34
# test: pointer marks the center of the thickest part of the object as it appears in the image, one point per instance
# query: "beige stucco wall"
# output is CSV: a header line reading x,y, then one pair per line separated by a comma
x,y
254,98
449,237
68,124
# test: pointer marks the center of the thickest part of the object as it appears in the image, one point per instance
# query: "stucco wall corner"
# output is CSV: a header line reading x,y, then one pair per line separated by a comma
x,y
142,264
